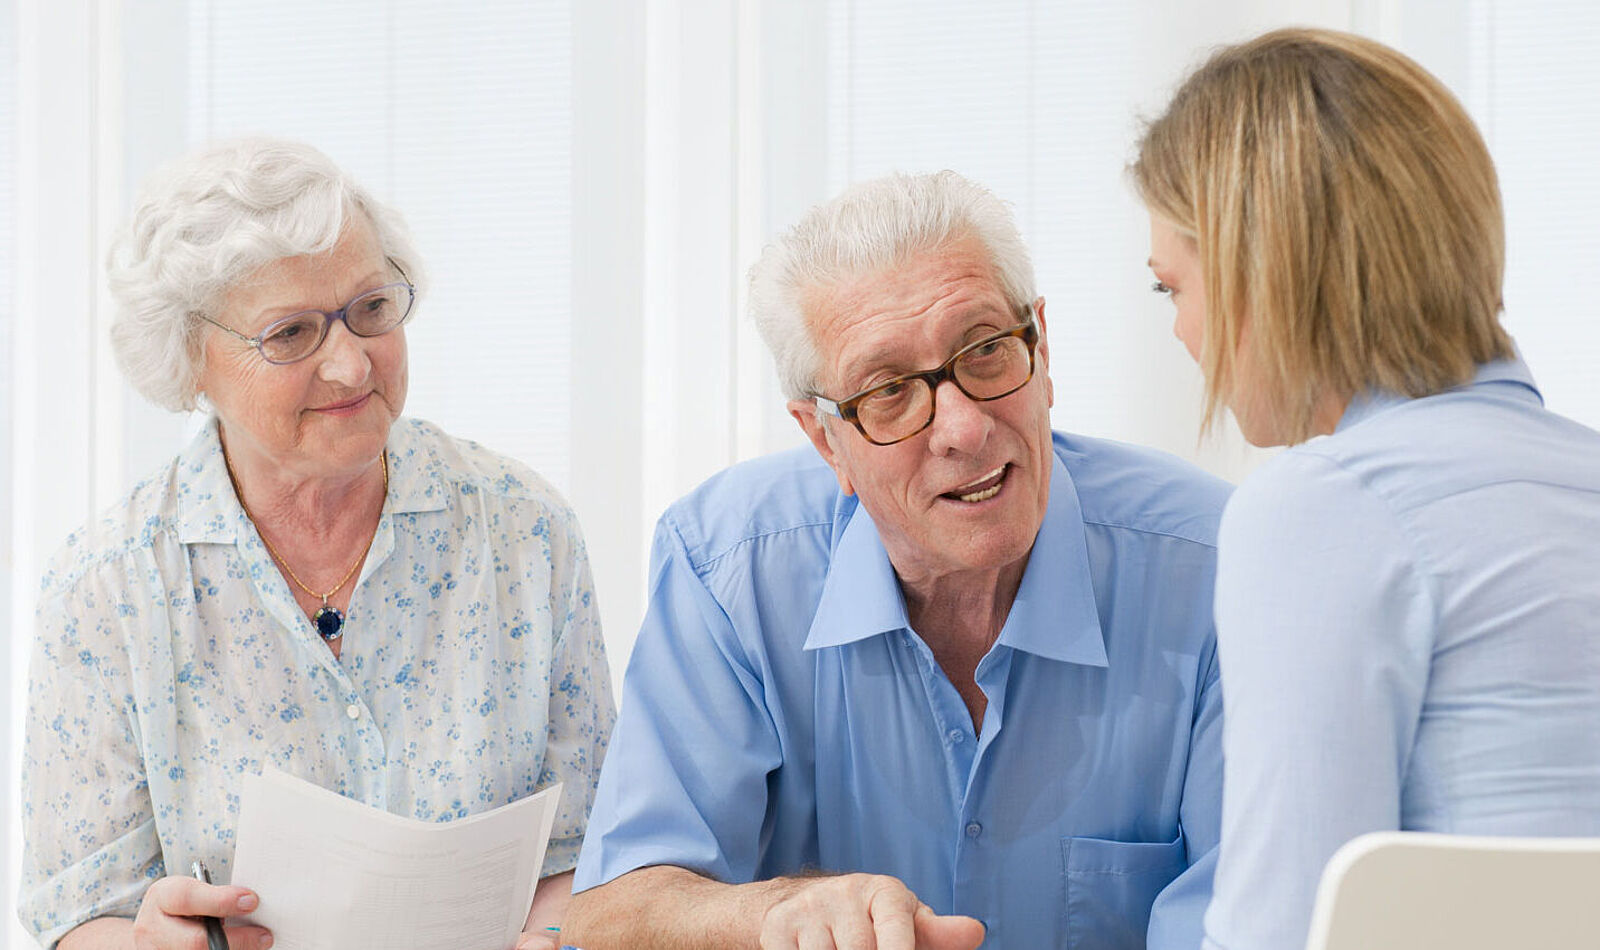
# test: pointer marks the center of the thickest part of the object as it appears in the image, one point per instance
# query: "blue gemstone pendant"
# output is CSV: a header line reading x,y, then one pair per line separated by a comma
x,y
329,622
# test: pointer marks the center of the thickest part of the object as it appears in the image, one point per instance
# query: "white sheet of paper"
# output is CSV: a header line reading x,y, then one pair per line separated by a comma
x,y
334,874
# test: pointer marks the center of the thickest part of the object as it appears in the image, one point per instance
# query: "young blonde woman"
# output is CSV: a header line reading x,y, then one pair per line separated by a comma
x,y
1408,598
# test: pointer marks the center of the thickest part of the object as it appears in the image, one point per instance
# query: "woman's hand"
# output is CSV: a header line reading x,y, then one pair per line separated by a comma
x,y
166,916
550,900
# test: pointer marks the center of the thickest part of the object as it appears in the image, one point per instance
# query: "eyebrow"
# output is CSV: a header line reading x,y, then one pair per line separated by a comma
x,y
884,358
289,310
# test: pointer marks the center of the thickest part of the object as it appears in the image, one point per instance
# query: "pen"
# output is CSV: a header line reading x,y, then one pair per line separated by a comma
x,y
216,939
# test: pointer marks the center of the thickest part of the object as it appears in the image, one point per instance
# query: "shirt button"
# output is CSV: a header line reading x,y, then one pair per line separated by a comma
x,y
957,737
353,711
974,829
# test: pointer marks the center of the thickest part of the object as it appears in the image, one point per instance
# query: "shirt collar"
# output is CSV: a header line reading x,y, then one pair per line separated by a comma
x,y
416,482
209,512
1054,615
861,596
1509,378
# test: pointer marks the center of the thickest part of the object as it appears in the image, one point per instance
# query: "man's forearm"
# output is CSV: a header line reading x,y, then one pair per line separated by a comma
x,y
669,908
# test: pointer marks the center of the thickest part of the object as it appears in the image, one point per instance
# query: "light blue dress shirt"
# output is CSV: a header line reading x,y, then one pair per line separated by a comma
x,y
779,714
1408,613
171,660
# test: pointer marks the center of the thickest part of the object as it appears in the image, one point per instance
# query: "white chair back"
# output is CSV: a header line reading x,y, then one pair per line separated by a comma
x,y
1411,891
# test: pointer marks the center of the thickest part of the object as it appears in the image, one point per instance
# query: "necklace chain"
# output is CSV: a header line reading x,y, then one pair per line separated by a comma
x,y
232,477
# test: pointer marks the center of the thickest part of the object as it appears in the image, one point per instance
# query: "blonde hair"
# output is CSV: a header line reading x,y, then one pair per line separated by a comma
x,y
1344,204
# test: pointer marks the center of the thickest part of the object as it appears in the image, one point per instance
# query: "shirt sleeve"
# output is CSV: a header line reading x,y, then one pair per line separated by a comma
x,y
685,780
582,711
1324,631
1177,914
90,847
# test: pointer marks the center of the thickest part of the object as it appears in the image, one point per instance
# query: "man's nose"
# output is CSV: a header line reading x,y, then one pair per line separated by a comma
x,y
960,423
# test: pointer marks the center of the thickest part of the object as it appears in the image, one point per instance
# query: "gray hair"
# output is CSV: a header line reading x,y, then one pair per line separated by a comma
x,y
209,220
874,226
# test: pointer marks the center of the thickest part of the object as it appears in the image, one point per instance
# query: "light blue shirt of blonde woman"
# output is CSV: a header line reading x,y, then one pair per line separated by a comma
x,y
1408,615
171,661
780,715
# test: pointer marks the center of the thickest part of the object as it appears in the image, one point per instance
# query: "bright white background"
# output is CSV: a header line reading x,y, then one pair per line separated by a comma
x,y
589,180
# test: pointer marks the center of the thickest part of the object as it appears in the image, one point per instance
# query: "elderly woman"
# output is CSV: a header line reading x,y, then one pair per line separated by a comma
x,y
315,583
1407,607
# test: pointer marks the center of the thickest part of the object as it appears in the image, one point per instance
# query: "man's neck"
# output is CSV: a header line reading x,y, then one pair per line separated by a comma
x,y
959,617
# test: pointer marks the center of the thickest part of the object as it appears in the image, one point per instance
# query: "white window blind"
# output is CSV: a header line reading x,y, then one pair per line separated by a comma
x,y
12,661
460,117
1536,75
1039,101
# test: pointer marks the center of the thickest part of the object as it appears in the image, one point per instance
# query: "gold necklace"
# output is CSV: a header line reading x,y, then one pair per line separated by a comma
x,y
328,619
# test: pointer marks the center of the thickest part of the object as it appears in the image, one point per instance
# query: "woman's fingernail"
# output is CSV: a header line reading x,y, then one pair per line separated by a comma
x,y
265,941
248,902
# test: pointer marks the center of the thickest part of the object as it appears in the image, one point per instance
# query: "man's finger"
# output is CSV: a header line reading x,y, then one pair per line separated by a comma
x,y
895,932
946,933
815,936
854,932
892,922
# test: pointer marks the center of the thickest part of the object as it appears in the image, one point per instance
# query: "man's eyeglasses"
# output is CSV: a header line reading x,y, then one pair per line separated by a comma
x,y
298,335
899,408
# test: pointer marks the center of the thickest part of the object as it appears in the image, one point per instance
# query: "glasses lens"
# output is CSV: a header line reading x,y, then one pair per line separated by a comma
x,y
994,368
293,338
379,311
895,410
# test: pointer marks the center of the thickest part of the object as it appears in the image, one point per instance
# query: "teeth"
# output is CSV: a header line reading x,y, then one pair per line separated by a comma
x,y
986,493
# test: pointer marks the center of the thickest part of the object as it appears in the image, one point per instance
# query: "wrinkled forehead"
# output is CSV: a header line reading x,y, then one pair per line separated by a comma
x,y
324,280
907,314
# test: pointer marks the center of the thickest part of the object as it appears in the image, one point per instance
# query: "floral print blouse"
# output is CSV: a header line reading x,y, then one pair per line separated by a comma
x,y
171,660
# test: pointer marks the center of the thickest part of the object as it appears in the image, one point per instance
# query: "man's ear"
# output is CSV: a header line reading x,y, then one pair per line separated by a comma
x,y
805,413
1042,353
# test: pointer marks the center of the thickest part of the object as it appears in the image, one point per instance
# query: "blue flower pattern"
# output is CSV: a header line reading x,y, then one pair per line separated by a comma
x,y
171,660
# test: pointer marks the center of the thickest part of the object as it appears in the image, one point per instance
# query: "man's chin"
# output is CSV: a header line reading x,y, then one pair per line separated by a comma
x,y
986,550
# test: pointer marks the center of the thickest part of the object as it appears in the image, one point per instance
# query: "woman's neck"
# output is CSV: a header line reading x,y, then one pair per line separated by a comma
x,y
1328,411
310,520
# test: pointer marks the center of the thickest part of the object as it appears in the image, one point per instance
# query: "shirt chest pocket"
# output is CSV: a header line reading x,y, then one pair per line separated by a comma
x,y
1110,886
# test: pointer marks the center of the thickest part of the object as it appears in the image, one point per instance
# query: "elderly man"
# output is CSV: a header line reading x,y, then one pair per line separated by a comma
x,y
948,679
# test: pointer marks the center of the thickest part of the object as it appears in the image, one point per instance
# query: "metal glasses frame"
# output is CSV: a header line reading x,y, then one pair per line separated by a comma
x,y
328,316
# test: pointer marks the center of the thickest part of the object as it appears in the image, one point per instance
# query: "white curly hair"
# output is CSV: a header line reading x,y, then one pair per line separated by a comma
x,y
207,221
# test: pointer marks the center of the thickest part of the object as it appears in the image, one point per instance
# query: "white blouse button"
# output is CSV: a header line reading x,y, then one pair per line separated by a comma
x,y
353,711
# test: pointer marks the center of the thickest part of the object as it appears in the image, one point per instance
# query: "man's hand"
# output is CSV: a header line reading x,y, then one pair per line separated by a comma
x,y
541,940
862,912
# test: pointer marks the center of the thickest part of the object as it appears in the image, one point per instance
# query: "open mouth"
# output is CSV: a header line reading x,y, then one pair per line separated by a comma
x,y
983,489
